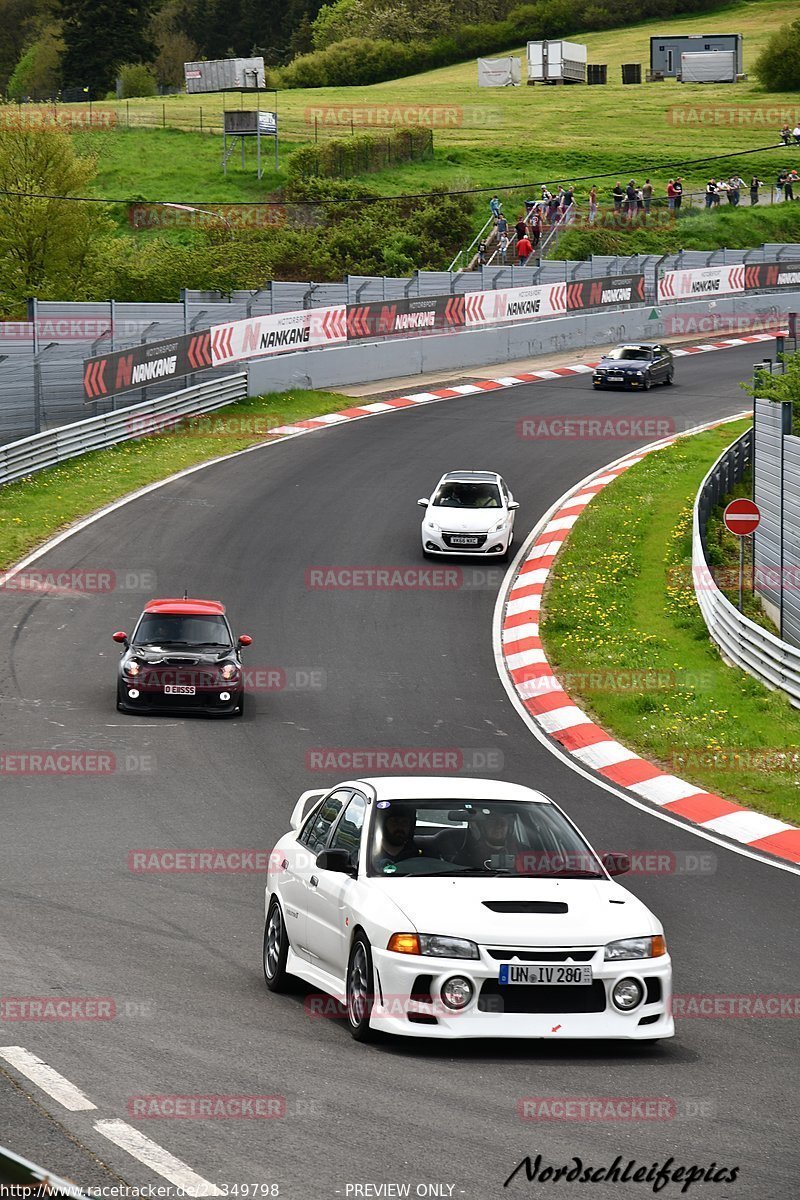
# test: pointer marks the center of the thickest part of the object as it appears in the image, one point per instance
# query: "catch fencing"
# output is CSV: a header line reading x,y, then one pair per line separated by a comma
x,y
42,359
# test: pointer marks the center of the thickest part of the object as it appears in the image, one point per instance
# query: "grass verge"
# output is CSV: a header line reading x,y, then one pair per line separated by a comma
x,y
624,633
35,508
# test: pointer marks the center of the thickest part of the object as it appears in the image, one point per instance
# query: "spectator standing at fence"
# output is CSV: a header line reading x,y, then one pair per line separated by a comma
x,y
734,195
592,204
618,194
524,250
494,205
788,190
755,184
786,135
721,190
796,133
671,194
631,199
779,182
711,193
647,195
567,203
678,185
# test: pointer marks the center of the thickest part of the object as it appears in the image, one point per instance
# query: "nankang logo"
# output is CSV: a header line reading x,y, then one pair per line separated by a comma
x,y
154,370
615,295
705,285
523,308
285,337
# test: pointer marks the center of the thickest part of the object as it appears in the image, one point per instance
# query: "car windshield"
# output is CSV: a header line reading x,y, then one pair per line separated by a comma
x,y
186,630
467,495
628,352
484,838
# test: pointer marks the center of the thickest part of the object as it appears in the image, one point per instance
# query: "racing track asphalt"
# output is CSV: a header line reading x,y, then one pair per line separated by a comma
x,y
180,954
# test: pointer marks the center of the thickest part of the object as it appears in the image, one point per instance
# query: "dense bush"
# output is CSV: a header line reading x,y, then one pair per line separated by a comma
x,y
778,65
339,158
137,80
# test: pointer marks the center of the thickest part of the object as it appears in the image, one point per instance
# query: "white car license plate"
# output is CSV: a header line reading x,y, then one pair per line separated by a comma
x,y
172,689
548,973
614,378
464,541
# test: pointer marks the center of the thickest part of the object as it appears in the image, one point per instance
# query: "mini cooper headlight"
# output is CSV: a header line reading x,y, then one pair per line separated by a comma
x,y
641,947
228,670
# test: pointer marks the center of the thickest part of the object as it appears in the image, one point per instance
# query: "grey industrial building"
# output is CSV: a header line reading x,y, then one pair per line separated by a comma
x,y
666,51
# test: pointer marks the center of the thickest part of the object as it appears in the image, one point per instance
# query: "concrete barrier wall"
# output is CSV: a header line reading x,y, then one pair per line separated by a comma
x,y
458,351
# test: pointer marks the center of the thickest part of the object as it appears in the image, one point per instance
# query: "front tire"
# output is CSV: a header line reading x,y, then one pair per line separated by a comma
x,y
360,990
647,383
670,379
276,948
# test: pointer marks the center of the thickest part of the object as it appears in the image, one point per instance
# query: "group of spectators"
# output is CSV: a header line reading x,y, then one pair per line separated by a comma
x,y
787,134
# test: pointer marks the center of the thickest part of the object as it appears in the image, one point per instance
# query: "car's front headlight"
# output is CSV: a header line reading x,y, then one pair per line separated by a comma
x,y
132,668
228,670
434,528
435,945
501,524
638,947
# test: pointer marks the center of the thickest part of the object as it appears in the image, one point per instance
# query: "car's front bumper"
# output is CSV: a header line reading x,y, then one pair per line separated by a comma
x,y
491,544
398,975
205,702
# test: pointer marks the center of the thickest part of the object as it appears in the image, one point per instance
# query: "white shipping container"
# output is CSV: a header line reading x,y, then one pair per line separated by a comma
x,y
709,66
552,61
224,75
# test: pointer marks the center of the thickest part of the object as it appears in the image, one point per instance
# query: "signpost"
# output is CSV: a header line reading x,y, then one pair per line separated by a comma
x,y
741,518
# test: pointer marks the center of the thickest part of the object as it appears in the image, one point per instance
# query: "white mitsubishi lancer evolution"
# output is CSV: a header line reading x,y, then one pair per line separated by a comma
x,y
461,908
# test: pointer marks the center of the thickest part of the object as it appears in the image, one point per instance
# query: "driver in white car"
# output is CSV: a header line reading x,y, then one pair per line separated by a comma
x,y
394,838
490,842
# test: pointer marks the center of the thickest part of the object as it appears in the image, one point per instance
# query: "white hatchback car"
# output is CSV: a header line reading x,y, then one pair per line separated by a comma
x,y
461,908
470,512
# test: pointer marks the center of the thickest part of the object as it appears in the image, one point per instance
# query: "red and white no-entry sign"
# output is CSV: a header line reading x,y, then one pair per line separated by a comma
x,y
742,517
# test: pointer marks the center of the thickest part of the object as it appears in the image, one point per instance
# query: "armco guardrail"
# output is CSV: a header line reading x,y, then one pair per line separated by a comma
x,y
754,649
31,454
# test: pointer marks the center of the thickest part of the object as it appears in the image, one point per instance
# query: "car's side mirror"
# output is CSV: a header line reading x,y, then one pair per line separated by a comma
x,y
245,640
422,502
121,636
513,504
617,864
336,860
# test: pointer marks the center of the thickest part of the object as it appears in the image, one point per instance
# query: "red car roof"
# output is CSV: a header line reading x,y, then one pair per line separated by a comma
x,y
185,608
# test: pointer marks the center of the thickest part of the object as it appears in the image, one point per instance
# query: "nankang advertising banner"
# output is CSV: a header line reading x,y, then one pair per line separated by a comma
x,y
702,281
515,304
154,362
416,314
772,275
605,293
259,336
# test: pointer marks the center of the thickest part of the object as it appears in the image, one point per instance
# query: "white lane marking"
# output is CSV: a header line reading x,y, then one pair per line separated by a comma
x,y
156,1157
525,658
536,576
67,1095
517,633
541,685
524,605
569,760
